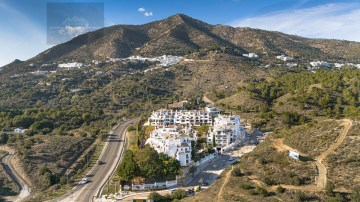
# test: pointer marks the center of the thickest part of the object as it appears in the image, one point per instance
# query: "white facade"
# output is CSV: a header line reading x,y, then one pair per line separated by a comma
x,y
165,117
70,65
19,131
320,64
212,110
226,130
285,58
174,142
251,55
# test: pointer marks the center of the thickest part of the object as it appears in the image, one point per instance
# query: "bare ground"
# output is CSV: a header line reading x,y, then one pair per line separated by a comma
x,y
321,179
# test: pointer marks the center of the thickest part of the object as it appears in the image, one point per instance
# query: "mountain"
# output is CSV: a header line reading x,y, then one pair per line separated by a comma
x,y
67,108
181,35
13,63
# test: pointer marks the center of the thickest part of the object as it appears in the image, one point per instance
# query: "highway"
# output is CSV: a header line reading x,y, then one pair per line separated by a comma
x,y
98,175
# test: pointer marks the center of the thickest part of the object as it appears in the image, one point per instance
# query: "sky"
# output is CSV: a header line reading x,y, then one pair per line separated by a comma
x,y
27,26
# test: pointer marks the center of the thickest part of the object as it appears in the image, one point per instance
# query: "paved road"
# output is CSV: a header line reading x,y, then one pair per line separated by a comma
x,y
212,171
99,173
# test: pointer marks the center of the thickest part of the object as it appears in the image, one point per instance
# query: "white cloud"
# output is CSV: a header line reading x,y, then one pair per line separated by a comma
x,y
74,26
148,14
336,21
72,31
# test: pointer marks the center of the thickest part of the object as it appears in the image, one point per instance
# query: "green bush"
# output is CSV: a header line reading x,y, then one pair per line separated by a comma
x,y
246,186
329,188
262,191
280,189
236,172
355,196
178,194
299,196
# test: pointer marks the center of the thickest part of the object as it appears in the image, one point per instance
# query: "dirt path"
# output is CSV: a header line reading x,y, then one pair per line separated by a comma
x,y
227,179
321,179
206,99
8,162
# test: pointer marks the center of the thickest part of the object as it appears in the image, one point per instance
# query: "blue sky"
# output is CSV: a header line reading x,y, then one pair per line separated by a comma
x,y
23,23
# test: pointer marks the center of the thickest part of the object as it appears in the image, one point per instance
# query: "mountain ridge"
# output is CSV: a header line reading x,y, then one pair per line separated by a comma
x,y
181,34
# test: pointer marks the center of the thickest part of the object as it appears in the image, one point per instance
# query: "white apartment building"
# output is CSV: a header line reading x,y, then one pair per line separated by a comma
x,y
226,130
212,110
165,117
174,142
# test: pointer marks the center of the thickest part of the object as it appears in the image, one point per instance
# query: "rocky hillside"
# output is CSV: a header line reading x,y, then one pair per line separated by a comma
x,y
181,35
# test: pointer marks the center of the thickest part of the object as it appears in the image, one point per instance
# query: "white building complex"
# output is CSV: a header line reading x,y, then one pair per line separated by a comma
x,y
165,117
173,131
225,131
174,142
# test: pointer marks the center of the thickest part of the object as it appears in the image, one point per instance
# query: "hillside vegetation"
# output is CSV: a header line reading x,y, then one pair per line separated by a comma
x,y
68,108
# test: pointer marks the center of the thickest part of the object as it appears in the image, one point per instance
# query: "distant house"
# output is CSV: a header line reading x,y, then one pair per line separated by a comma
x,y
294,155
251,55
320,64
285,58
20,131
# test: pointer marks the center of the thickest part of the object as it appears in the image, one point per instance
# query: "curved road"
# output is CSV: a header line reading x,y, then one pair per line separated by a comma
x,y
6,161
321,179
98,175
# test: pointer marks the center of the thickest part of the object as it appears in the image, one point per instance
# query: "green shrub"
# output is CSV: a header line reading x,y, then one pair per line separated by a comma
x,y
280,189
299,196
355,196
236,172
329,188
262,191
178,194
246,186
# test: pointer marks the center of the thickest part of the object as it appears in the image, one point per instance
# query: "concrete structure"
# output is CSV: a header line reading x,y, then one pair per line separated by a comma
x,y
225,131
174,142
165,117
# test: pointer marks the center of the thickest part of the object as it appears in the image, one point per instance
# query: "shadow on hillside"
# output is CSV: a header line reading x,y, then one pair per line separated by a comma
x,y
305,158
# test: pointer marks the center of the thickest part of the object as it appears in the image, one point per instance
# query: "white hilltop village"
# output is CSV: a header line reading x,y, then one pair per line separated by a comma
x,y
175,130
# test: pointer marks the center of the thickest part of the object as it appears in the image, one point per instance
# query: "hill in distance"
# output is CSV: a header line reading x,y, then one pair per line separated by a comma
x,y
182,35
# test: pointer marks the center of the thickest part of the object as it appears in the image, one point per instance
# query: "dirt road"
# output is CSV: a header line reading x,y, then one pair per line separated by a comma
x,y
8,162
321,179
